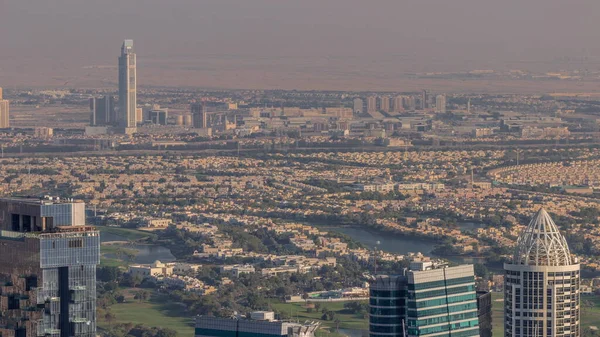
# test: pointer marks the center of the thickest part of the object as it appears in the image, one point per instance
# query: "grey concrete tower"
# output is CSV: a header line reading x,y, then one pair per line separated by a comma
x,y
127,86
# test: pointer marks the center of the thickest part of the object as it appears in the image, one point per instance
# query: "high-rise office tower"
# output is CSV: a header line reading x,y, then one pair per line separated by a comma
x,y
4,112
442,301
424,302
48,259
127,87
158,116
410,103
358,106
424,100
102,111
387,306
371,103
541,287
484,313
399,103
440,103
200,115
384,103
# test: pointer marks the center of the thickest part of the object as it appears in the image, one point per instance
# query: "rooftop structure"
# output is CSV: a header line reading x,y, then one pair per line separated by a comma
x,y
264,326
541,244
27,214
48,260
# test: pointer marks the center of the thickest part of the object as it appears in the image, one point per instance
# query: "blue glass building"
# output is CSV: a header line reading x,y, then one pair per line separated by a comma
x,y
48,260
435,302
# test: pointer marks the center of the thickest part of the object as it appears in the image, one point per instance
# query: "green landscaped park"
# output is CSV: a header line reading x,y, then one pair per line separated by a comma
x,y
159,312
115,250
299,311
590,311
497,314
155,312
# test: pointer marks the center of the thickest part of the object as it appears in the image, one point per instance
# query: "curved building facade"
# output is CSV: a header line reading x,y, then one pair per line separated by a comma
x,y
541,292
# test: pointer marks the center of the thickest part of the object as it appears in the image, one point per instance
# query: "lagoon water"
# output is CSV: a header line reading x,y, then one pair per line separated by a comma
x,y
387,242
146,253
398,244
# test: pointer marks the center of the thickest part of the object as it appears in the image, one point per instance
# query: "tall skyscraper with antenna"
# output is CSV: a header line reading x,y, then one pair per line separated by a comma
x,y
541,288
127,87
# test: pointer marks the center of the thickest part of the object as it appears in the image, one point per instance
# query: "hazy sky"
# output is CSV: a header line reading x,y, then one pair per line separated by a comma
x,y
59,37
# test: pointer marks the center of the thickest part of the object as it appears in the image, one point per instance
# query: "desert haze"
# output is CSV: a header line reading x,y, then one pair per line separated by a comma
x,y
308,44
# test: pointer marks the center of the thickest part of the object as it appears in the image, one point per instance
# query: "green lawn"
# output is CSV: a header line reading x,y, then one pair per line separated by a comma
x,y
590,311
347,319
497,314
162,313
157,312
128,234
114,250
108,262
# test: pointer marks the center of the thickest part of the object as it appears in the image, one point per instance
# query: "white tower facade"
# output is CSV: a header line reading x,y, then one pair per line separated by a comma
x,y
440,103
541,292
127,87
371,103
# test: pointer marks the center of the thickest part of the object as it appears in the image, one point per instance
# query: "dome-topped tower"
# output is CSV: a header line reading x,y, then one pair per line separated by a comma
x,y
541,244
541,285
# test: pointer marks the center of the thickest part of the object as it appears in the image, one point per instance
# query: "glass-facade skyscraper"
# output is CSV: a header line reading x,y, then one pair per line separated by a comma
x,y
102,111
387,306
127,87
541,287
48,259
433,302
